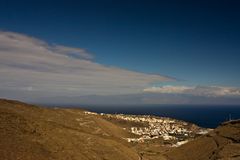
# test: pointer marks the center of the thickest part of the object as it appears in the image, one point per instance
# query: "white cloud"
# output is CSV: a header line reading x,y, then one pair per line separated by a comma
x,y
29,64
168,89
71,52
209,91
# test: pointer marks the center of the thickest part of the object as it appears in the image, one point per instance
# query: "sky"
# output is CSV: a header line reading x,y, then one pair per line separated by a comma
x,y
125,52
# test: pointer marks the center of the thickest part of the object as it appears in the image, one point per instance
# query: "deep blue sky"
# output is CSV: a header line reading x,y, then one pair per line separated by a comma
x,y
197,42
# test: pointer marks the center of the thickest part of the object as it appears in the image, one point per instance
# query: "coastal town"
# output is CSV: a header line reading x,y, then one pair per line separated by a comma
x,y
173,131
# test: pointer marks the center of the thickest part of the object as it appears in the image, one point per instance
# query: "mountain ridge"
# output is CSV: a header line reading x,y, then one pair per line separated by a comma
x,y
35,132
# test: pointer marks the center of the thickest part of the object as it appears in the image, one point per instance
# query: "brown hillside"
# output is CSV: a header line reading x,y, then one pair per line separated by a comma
x,y
31,132
223,143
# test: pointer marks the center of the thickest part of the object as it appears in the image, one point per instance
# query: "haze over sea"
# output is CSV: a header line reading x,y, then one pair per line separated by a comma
x,y
208,116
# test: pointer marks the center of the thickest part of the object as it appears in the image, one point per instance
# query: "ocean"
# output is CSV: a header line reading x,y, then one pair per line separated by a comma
x,y
204,116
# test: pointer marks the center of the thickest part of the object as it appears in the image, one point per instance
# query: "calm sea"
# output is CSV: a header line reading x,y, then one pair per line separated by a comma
x,y
204,116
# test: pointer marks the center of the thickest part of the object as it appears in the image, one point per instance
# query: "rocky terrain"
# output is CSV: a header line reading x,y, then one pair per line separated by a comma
x,y
223,143
31,132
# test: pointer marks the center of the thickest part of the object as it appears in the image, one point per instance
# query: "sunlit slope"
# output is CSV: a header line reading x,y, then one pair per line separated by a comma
x,y
223,143
31,132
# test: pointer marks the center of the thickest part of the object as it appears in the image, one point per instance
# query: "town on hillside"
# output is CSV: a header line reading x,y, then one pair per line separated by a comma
x,y
173,132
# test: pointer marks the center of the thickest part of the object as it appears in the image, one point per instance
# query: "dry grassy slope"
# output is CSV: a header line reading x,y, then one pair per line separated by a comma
x,y
223,143
31,132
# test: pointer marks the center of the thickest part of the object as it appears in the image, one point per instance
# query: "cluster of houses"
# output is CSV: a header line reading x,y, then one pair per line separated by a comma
x,y
158,127
91,113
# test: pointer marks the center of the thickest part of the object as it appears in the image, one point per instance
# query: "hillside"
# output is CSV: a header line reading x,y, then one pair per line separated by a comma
x,y
223,143
32,132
